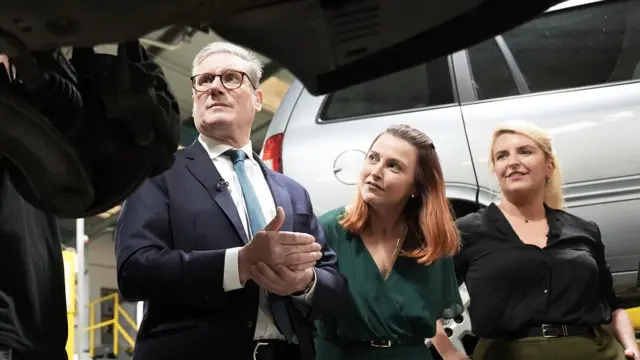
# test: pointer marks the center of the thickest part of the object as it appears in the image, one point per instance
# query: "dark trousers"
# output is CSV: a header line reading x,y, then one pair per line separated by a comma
x,y
7,353
206,341
601,346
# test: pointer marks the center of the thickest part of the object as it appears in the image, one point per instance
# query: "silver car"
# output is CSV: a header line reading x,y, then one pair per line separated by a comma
x,y
575,71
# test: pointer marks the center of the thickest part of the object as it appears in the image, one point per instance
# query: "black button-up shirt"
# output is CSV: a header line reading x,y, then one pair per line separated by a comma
x,y
514,286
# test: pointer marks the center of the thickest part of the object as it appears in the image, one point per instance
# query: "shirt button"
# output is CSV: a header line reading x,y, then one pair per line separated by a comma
x,y
545,291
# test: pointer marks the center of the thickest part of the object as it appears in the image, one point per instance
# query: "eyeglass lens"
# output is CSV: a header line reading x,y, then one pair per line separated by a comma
x,y
230,80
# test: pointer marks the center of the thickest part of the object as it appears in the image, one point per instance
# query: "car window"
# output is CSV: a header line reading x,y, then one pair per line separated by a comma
x,y
422,86
491,75
570,48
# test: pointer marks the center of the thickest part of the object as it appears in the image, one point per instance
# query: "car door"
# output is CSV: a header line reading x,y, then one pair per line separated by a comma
x,y
574,71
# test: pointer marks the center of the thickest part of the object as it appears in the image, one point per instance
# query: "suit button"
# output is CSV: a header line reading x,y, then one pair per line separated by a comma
x,y
250,324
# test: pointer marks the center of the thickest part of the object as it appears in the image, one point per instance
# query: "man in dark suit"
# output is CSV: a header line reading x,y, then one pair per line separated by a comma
x,y
226,253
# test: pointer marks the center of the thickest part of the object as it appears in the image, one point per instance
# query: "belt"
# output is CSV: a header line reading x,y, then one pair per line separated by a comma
x,y
386,343
272,349
554,331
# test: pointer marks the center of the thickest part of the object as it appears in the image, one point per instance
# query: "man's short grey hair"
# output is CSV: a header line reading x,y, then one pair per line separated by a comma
x,y
219,47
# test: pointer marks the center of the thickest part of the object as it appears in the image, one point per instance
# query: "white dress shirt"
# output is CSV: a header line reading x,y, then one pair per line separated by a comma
x,y
265,327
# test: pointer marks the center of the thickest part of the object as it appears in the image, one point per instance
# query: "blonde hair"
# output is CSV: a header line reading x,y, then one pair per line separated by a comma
x,y
553,195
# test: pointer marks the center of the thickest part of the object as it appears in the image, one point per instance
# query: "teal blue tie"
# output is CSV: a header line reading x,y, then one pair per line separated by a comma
x,y
254,210
257,223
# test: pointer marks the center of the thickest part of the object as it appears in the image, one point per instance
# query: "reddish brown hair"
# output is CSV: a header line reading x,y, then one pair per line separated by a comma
x,y
432,233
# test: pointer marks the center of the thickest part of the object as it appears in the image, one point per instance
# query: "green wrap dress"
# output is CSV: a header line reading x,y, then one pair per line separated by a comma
x,y
403,308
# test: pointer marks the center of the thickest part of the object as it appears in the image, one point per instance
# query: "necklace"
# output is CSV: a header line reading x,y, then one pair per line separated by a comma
x,y
526,220
384,259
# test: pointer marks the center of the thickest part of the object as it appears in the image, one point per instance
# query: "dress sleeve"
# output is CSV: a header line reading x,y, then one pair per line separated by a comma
x,y
606,280
329,223
452,305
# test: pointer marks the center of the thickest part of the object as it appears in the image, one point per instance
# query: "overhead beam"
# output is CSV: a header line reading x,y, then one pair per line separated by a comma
x,y
171,35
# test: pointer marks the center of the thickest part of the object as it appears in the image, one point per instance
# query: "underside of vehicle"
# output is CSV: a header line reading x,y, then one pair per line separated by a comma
x,y
327,44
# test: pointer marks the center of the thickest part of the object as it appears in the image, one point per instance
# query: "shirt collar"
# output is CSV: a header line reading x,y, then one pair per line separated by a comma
x,y
216,148
553,220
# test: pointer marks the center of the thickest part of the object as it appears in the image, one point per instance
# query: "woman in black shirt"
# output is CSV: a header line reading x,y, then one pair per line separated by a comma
x,y
536,275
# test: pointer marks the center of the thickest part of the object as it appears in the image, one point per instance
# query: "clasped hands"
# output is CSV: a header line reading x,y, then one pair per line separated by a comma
x,y
279,261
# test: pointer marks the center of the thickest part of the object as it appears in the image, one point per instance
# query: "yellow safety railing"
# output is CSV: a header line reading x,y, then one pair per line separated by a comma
x,y
118,330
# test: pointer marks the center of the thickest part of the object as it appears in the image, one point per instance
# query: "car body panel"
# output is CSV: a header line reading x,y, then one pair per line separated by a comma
x,y
594,130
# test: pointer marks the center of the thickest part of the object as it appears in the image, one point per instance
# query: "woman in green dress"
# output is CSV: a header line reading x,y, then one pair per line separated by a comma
x,y
395,245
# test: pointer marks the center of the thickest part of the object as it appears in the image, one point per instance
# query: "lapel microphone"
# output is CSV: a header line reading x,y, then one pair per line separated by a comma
x,y
220,184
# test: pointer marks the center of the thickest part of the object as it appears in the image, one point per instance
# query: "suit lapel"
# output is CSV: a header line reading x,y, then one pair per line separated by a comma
x,y
279,193
202,168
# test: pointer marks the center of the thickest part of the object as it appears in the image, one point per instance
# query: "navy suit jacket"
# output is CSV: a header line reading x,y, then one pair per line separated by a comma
x,y
171,238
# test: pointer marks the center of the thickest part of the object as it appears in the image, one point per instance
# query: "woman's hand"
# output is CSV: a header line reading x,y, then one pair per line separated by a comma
x,y
630,354
622,328
444,345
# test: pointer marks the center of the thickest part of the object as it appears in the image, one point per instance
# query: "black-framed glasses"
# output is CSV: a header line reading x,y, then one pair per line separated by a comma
x,y
231,80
